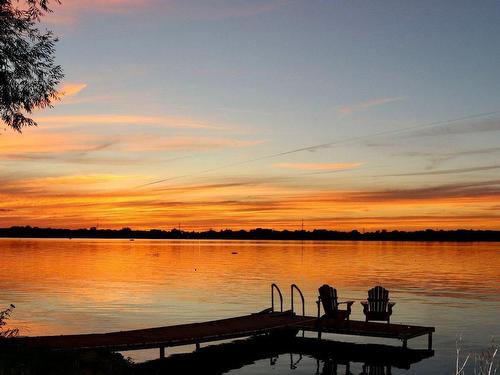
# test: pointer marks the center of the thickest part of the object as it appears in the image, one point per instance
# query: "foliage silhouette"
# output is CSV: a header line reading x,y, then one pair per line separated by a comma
x,y
4,316
28,73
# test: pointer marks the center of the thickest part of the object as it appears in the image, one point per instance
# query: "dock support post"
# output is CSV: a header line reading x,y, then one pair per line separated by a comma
x,y
197,346
429,341
405,344
162,352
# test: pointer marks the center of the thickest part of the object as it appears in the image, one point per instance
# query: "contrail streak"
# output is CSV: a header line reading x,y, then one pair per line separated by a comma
x,y
327,145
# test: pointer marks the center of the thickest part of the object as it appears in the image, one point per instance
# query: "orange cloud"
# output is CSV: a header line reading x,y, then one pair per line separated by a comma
x,y
70,10
48,143
12,144
76,180
348,109
318,166
71,89
76,201
105,119
151,143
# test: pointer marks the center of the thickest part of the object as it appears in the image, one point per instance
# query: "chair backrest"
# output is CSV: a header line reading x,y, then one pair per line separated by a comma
x,y
329,299
378,298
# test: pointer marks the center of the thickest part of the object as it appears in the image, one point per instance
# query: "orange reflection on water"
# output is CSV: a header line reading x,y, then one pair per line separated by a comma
x,y
62,286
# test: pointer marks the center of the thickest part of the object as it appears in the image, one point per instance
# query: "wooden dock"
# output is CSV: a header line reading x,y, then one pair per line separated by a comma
x,y
243,326
401,332
177,335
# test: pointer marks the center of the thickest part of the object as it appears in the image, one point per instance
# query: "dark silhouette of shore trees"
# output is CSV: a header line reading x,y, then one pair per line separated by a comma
x,y
461,235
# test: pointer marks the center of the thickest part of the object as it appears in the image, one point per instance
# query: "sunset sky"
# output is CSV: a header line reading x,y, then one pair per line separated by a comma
x,y
346,114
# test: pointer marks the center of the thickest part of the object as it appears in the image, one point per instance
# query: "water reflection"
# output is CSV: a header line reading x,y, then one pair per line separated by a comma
x,y
62,286
291,355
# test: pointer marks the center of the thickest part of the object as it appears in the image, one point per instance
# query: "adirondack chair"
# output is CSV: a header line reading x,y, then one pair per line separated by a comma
x,y
328,298
378,307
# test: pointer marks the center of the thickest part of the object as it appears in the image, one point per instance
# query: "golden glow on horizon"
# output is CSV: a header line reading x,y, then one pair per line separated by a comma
x,y
114,201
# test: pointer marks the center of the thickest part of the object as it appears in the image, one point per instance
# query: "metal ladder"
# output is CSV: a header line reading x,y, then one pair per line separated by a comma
x,y
293,288
275,287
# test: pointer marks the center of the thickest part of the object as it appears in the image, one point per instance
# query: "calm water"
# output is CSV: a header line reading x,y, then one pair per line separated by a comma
x,y
78,286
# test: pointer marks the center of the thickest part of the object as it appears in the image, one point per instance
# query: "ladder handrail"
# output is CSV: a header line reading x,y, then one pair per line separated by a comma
x,y
274,286
292,287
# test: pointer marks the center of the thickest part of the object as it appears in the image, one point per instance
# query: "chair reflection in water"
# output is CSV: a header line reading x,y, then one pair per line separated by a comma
x,y
376,370
330,367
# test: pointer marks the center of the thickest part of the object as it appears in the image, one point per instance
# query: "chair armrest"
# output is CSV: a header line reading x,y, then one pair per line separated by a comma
x,y
318,302
348,303
365,306
389,307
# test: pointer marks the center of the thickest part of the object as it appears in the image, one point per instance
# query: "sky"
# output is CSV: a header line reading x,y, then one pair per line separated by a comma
x,y
343,114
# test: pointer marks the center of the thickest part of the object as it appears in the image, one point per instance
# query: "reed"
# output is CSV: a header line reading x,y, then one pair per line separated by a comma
x,y
483,362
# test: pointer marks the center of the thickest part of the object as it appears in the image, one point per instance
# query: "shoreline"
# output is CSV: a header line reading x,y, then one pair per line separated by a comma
x,y
428,235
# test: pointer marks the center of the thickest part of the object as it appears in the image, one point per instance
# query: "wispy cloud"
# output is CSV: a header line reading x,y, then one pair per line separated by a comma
x,y
446,171
462,127
45,142
117,119
80,148
71,89
466,190
363,106
465,122
59,187
67,155
70,11
154,143
317,166
221,10
437,158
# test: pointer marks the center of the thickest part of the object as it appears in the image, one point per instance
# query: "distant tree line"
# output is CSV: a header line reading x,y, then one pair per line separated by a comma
x,y
462,235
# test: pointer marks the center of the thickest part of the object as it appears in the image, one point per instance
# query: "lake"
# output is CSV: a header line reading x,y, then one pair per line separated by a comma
x,y
62,286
